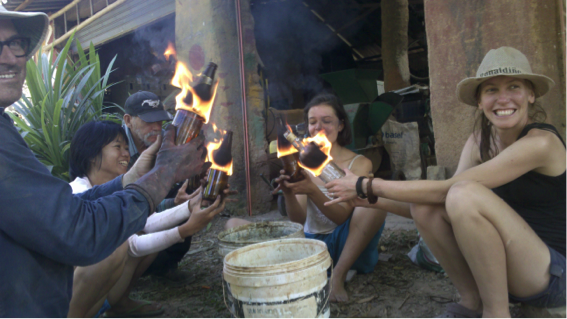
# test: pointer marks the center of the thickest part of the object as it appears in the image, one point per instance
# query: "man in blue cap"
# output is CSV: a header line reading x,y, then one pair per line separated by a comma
x,y
143,120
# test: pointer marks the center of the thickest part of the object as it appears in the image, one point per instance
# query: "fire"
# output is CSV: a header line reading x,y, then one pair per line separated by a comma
x,y
211,147
182,80
170,50
320,140
286,151
214,145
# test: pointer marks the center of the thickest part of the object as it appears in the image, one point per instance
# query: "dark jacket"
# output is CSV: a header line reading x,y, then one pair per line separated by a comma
x,y
45,230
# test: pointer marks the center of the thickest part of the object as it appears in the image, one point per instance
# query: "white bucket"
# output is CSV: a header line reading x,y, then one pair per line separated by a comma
x,y
284,278
254,233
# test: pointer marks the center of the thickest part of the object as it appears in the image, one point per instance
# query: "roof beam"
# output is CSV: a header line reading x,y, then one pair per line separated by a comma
x,y
23,5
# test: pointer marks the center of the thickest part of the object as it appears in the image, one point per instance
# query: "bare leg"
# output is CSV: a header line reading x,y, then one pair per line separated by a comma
x,y
502,251
119,295
91,284
365,223
234,222
432,223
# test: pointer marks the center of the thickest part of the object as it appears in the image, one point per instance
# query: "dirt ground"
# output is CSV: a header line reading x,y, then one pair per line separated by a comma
x,y
396,288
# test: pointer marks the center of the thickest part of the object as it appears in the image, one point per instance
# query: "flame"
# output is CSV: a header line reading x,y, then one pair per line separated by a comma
x,y
182,79
286,151
320,140
170,50
211,147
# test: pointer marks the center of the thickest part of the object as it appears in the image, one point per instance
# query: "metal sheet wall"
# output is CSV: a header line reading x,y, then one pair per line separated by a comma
x,y
123,19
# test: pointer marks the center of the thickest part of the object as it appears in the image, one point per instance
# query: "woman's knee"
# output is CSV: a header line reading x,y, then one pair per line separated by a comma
x,y
463,199
119,257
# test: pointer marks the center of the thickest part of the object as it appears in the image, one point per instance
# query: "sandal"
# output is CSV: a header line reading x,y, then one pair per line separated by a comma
x,y
454,310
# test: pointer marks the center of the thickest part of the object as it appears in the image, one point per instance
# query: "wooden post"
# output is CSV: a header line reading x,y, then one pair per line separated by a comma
x,y
395,17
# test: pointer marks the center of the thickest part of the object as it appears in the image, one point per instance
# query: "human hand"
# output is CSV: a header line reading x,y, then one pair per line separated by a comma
x,y
305,186
200,217
182,195
143,164
181,161
342,189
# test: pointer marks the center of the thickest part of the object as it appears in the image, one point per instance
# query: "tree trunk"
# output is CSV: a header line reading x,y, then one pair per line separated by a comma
x,y
395,16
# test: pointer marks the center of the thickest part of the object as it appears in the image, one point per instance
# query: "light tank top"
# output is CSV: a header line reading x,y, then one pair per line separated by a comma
x,y
316,222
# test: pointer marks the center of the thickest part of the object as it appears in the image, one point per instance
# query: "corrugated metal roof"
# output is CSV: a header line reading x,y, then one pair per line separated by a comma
x,y
123,19
38,5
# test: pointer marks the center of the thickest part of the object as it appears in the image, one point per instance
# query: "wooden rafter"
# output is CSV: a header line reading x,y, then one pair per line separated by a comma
x,y
23,5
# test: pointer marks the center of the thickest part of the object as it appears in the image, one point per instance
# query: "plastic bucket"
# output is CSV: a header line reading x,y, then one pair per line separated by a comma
x,y
254,233
279,278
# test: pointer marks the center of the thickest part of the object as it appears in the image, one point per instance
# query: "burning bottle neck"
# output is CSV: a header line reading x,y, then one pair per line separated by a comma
x,y
294,140
203,84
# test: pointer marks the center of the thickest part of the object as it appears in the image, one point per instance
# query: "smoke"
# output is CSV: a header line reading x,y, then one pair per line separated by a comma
x,y
141,52
291,40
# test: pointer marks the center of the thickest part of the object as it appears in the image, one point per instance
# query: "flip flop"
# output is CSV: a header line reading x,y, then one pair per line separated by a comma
x,y
454,310
135,312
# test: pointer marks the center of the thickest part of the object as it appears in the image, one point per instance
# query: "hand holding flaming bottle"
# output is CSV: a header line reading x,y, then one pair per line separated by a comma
x,y
312,157
193,105
288,155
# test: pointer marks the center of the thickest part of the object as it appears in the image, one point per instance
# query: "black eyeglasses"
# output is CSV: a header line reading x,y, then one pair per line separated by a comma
x,y
19,47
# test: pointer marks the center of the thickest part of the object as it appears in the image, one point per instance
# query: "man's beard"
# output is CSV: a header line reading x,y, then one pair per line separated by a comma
x,y
146,138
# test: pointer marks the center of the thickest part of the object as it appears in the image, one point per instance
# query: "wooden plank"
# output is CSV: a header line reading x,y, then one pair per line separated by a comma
x,y
23,5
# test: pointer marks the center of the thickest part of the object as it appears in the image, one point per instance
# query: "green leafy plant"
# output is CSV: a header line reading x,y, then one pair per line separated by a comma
x,y
64,95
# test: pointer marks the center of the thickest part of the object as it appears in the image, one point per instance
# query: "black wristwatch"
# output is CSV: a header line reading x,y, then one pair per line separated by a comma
x,y
359,191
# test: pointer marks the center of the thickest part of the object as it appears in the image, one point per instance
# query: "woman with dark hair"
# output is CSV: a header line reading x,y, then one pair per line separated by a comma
x,y
99,153
87,148
351,234
498,225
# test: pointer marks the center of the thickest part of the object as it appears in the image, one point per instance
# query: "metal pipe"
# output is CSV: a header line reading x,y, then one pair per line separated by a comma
x,y
92,9
244,106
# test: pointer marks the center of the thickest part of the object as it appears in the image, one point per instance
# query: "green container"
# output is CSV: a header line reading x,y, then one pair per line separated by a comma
x,y
354,85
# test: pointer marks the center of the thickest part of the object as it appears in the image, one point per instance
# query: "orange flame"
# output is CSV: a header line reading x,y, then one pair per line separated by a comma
x,y
286,151
320,140
211,147
170,50
182,79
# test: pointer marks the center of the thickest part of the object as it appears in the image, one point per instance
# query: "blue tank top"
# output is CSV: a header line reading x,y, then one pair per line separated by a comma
x,y
539,199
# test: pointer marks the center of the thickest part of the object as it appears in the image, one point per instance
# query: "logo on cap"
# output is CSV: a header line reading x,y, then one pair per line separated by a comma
x,y
152,103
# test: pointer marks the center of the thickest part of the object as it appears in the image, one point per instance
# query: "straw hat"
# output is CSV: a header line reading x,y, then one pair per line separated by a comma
x,y
28,24
502,61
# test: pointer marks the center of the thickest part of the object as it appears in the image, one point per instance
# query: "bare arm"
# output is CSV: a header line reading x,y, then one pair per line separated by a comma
x,y
539,151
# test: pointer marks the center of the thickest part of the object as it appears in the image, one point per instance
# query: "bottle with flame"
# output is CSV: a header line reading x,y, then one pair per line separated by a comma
x,y
288,155
220,154
313,159
192,102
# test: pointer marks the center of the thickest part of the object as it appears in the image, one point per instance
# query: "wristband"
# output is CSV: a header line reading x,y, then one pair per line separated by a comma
x,y
359,191
372,199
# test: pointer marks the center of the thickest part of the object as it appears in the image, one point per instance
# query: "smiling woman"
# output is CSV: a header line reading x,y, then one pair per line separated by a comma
x,y
497,226
99,152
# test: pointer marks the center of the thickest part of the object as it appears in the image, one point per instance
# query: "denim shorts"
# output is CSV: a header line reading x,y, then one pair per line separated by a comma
x,y
103,309
336,242
554,295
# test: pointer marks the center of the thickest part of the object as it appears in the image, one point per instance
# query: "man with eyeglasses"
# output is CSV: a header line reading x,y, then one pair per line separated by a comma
x,y
44,229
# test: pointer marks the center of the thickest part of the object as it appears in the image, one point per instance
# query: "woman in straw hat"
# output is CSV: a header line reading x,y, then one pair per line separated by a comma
x,y
498,225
